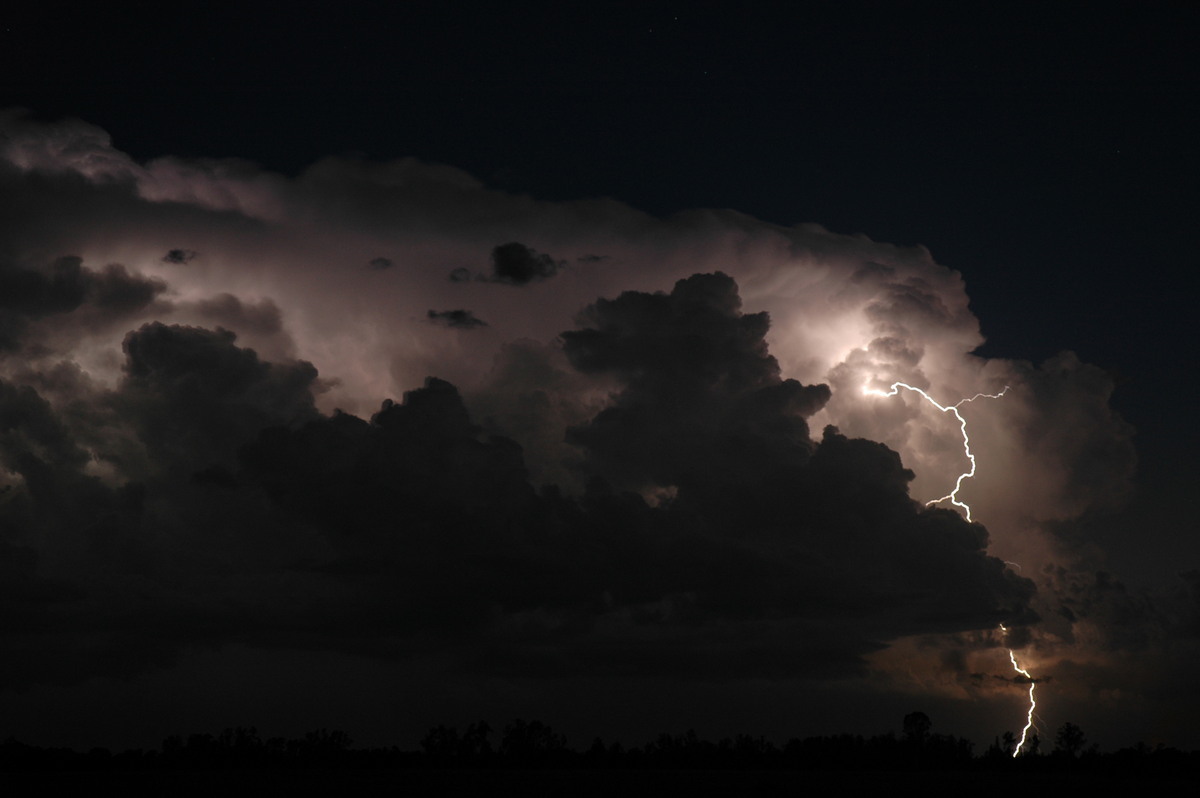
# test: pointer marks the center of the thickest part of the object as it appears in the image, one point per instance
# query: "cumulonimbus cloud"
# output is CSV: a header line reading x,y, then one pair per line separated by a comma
x,y
671,434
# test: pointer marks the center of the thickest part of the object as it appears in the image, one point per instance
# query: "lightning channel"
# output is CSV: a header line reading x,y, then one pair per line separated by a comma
x,y
952,496
1032,701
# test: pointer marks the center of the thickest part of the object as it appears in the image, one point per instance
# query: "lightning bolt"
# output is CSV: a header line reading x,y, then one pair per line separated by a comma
x,y
1032,701
953,497
962,425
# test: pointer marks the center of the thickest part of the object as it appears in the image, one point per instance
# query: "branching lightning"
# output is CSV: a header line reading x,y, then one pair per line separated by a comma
x,y
962,425
953,497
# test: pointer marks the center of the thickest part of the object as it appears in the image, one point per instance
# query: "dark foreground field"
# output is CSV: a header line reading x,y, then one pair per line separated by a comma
x,y
572,783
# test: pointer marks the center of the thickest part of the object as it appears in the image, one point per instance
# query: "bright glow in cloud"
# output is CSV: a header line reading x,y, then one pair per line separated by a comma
x,y
952,496
286,263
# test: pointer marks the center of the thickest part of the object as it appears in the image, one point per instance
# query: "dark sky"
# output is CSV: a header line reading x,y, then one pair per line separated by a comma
x,y
1046,155
1026,147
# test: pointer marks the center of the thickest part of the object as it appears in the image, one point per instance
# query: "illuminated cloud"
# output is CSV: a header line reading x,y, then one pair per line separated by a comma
x,y
662,455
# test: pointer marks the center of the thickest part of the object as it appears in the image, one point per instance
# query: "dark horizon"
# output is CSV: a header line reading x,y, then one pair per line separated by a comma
x,y
915,742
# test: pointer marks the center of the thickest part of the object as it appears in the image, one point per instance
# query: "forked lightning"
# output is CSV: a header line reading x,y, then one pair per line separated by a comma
x,y
962,424
953,497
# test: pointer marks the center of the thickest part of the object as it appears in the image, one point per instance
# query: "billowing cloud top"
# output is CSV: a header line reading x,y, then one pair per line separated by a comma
x,y
661,460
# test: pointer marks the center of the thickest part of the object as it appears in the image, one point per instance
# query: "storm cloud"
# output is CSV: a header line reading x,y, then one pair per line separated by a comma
x,y
458,319
516,264
659,462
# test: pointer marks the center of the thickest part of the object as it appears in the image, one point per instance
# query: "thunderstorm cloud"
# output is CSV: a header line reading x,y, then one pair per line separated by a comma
x,y
179,256
659,461
459,319
516,264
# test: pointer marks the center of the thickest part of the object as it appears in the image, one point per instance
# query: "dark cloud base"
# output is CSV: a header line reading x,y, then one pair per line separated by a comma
x,y
642,494
205,499
516,264
457,319
61,291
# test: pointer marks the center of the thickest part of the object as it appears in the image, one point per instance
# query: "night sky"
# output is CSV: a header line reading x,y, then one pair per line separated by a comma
x,y
375,369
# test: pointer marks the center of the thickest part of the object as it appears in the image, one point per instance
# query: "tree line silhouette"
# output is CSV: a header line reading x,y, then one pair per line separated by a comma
x,y
533,745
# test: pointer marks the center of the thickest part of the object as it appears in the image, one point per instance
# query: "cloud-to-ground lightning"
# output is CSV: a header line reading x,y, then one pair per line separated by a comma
x,y
962,424
953,497
1032,701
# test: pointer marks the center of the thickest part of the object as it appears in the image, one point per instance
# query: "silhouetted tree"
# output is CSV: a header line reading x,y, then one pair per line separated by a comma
x,y
946,751
473,746
1069,740
1032,743
597,755
535,745
916,727
324,747
532,742
440,745
1009,741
